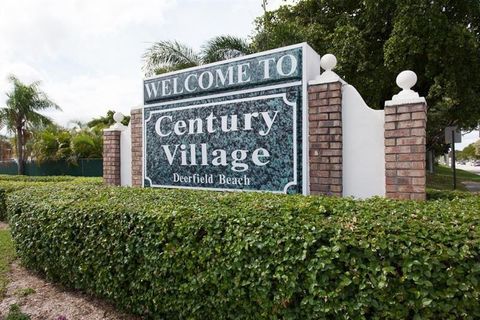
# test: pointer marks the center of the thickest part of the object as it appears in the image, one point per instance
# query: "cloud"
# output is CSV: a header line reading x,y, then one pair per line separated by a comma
x,y
87,53
93,97
467,138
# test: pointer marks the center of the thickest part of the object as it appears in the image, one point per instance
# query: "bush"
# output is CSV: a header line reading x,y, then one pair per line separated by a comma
x,y
9,183
448,194
191,254
6,177
3,206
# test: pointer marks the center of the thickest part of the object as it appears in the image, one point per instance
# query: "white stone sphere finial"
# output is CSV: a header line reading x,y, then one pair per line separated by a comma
x,y
118,117
406,79
328,62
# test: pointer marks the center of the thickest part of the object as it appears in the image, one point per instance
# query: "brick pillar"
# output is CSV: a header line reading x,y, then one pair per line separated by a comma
x,y
111,157
405,138
136,122
325,138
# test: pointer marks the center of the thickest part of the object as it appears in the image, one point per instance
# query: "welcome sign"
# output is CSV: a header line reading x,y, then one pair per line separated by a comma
x,y
234,125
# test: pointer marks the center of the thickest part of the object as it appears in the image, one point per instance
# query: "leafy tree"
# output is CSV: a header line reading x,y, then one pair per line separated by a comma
x,y
56,143
21,114
88,143
468,153
166,56
51,144
5,148
374,40
105,122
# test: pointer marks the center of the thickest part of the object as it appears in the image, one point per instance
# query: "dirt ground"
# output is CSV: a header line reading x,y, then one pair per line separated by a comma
x,y
49,302
3,225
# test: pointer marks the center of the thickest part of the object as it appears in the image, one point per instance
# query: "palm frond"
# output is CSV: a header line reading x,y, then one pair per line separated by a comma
x,y
37,120
7,119
224,47
169,55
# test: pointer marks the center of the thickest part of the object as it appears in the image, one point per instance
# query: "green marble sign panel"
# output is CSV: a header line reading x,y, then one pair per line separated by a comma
x,y
232,137
230,75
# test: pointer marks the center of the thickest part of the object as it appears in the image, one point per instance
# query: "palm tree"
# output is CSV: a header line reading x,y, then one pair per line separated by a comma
x,y
166,56
223,48
20,115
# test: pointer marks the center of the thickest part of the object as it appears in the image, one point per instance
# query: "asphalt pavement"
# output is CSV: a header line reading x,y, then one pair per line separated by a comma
x,y
470,185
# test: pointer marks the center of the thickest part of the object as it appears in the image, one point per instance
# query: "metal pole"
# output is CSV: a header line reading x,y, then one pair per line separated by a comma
x,y
453,161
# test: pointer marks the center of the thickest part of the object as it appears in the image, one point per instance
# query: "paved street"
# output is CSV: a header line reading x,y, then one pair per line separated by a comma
x,y
471,185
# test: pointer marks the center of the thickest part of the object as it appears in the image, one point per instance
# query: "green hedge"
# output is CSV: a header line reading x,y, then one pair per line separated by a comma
x,y
6,177
3,205
172,254
9,183
433,194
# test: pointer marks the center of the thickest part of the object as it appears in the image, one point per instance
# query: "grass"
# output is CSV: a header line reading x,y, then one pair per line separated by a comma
x,y
25,292
442,179
7,254
15,313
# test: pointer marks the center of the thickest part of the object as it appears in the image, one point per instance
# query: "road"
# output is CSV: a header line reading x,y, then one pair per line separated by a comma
x,y
470,185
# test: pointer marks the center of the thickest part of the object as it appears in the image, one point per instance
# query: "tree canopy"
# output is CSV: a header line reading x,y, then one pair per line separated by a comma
x,y
103,122
55,143
374,40
468,153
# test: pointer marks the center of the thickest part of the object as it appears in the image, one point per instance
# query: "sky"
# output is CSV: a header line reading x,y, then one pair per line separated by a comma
x,y
87,53
467,138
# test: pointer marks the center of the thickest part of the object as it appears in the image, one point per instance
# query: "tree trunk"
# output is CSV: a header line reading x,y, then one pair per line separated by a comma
x,y
21,161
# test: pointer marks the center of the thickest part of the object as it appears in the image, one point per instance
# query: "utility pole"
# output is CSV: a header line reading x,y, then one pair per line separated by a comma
x,y
453,161
265,21
452,135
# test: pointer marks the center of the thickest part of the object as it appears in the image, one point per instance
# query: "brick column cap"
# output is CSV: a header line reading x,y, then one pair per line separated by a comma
x,y
399,102
114,129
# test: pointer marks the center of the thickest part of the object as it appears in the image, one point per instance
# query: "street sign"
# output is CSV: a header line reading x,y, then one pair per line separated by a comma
x,y
457,134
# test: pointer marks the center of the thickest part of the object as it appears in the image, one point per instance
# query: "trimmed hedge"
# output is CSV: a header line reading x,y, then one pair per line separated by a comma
x,y
433,194
6,177
174,254
3,205
9,183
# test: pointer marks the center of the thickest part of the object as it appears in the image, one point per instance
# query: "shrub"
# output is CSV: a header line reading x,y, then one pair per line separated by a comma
x,y
191,254
5,177
3,206
448,194
9,183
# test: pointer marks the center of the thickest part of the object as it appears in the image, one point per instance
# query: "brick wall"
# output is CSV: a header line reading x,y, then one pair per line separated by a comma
x,y
325,138
405,138
111,157
137,146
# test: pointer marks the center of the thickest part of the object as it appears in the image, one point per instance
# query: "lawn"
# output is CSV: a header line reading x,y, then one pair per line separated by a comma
x,y
442,178
7,254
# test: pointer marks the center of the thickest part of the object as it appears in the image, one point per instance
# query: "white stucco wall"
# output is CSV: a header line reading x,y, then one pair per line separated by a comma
x,y
363,147
126,157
